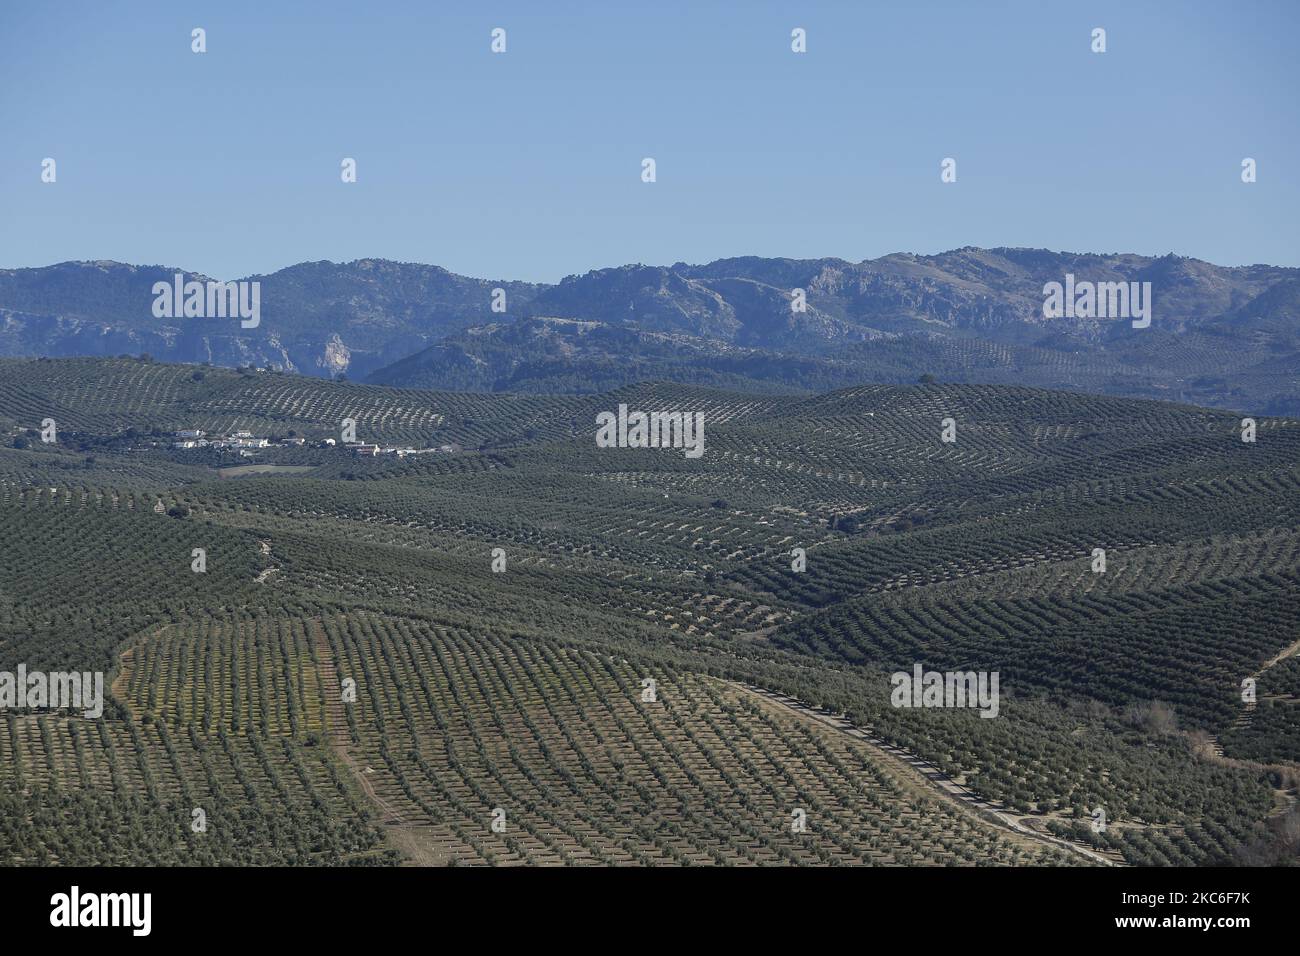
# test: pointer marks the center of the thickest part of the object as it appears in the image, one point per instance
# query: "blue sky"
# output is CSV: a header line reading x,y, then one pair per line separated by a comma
x,y
526,165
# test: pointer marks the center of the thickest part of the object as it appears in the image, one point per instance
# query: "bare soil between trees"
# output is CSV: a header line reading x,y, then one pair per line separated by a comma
x,y
935,778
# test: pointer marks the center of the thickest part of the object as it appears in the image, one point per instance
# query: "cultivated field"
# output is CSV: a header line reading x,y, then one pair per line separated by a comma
x,y
500,612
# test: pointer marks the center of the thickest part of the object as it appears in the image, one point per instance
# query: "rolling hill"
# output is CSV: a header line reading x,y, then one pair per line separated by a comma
x,y
502,609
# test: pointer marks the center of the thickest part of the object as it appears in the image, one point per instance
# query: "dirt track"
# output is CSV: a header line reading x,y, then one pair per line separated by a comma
x,y
932,774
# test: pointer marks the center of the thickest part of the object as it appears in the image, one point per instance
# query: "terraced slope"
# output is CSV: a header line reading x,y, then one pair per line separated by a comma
x,y
499,606
449,726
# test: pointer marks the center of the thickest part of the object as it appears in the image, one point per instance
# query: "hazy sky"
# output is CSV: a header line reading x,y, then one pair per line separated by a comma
x,y
527,164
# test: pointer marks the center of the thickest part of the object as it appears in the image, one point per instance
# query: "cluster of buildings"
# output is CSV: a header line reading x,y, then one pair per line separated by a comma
x,y
245,442
365,450
242,442
199,439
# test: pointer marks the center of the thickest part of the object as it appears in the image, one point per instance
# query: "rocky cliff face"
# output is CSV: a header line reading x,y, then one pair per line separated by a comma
x,y
318,318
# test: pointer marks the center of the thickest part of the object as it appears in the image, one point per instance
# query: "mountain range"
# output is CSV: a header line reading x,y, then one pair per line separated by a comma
x,y
1220,336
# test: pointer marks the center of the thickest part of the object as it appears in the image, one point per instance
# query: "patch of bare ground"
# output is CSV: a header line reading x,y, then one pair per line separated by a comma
x,y
417,844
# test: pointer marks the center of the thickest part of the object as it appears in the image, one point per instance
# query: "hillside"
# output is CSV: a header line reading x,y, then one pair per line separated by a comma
x,y
501,606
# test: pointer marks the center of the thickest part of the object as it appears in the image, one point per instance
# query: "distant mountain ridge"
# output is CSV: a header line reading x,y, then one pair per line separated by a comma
x,y
1220,336
322,318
